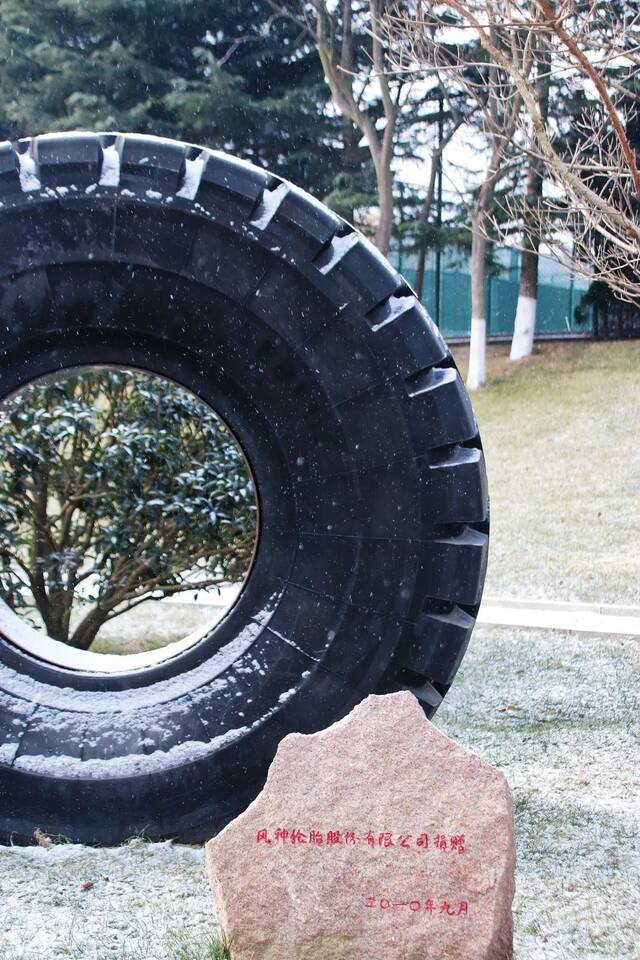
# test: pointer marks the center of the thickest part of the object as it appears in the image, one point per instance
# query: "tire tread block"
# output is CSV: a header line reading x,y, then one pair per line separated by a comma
x,y
435,644
293,223
441,412
357,273
68,160
452,568
9,169
455,487
151,163
228,181
405,337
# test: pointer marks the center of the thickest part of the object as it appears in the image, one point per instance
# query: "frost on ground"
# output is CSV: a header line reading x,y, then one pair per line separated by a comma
x,y
146,902
557,712
559,432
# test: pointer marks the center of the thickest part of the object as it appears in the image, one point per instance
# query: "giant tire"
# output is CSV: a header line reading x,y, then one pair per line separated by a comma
x,y
154,254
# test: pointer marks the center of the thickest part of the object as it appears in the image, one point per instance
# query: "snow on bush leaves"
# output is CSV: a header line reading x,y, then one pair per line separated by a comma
x,y
116,485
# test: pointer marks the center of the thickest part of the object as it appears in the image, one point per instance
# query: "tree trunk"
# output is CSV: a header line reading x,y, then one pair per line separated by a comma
x,y
350,133
384,179
383,157
380,148
420,268
58,614
85,633
477,373
350,157
525,321
425,213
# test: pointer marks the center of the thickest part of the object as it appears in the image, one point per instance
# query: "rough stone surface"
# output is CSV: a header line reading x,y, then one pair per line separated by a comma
x,y
383,775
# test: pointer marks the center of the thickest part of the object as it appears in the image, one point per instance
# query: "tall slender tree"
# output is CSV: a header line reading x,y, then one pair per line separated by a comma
x,y
426,37
526,311
383,107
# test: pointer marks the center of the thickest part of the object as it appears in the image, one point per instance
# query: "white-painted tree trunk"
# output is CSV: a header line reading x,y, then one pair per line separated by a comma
x,y
524,327
477,375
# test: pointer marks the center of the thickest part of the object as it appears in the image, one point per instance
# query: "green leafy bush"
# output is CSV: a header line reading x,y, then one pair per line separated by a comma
x,y
116,486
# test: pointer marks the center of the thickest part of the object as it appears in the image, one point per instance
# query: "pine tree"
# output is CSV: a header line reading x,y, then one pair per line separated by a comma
x,y
218,72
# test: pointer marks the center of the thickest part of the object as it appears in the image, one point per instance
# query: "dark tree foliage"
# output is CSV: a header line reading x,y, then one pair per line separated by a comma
x,y
613,318
116,485
223,73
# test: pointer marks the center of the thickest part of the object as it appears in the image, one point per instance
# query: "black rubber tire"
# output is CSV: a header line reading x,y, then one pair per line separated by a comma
x,y
186,262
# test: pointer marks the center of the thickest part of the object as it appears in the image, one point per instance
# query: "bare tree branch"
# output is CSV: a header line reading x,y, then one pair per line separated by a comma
x,y
590,218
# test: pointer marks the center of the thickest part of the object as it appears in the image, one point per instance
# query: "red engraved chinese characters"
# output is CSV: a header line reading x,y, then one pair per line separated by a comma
x,y
439,842
429,905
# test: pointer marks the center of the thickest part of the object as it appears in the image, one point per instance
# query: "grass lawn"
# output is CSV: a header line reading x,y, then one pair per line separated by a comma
x,y
558,713
561,432
153,625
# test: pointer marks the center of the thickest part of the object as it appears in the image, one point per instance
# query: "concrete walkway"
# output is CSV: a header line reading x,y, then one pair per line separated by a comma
x,y
556,615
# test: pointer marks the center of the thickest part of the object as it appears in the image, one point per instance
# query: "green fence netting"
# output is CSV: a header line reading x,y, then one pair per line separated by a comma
x,y
559,293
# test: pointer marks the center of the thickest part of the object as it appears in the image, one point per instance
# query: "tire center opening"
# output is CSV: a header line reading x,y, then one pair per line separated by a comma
x,y
128,518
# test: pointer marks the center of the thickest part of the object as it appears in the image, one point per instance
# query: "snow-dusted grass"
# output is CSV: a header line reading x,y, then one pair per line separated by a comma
x,y
153,625
149,901
557,712
560,431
